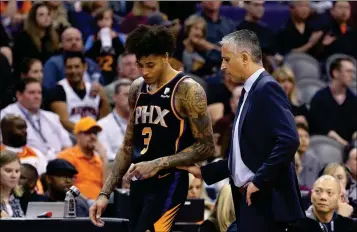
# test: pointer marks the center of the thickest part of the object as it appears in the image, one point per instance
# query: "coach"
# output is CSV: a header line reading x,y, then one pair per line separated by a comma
x,y
264,141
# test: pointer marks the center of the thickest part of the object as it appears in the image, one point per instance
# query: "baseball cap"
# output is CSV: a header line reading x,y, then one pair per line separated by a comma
x,y
85,124
158,19
59,167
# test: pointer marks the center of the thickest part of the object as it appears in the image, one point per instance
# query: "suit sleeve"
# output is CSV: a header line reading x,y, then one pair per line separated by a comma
x,y
215,171
276,108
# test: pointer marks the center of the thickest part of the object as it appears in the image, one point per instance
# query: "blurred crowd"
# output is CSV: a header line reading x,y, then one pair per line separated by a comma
x,y
65,80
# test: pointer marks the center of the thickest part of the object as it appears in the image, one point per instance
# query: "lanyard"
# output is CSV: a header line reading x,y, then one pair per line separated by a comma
x,y
323,227
119,123
37,129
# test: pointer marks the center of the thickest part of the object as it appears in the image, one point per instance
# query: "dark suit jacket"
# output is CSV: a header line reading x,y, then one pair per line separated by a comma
x,y
268,141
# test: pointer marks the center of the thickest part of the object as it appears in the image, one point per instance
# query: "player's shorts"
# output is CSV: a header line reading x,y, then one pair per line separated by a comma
x,y
154,202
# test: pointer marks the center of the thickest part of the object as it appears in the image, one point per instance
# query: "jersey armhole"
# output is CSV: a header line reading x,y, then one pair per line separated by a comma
x,y
173,97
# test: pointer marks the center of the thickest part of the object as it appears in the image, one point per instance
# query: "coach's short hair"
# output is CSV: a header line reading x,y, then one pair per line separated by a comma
x,y
246,40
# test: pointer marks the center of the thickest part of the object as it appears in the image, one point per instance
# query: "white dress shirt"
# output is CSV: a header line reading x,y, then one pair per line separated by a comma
x,y
57,138
241,174
112,134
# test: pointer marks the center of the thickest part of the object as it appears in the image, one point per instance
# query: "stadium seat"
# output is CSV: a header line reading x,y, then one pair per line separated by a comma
x,y
307,89
303,65
332,58
327,150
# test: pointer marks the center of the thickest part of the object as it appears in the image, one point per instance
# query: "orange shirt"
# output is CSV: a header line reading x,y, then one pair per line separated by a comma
x,y
89,179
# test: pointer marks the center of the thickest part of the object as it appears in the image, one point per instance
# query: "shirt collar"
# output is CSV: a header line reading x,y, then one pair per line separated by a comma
x,y
250,81
27,112
14,149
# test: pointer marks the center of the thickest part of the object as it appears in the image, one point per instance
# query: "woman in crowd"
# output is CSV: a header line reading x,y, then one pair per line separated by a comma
x,y
223,213
31,67
196,190
285,76
39,39
10,176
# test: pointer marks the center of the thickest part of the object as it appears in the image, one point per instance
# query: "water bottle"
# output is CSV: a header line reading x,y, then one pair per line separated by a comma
x,y
70,202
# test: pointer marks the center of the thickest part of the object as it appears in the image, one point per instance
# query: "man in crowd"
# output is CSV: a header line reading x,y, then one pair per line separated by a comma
x,y
114,124
74,98
54,68
44,130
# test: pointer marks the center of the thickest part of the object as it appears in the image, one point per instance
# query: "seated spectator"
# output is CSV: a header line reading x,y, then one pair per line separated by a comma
x,y
54,68
223,212
88,157
107,46
74,98
59,16
39,39
114,124
44,130
310,164
252,22
285,76
195,44
351,165
196,190
325,195
138,15
60,176
338,36
6,81
333,110
298,34
14,138
14,12
29,179
126,69
10,175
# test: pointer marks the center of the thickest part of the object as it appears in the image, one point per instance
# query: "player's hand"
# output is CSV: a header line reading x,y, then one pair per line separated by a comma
x,y
143,170
251,188
194,170
97,209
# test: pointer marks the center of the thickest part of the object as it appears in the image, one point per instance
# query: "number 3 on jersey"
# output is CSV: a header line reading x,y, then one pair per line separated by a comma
x,y
147,132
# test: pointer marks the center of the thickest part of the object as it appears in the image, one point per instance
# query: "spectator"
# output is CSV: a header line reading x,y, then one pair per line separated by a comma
x,y
114,124
60,176
45,131
310,164
88,157
10,175
351,165
32,68
298,34
196,190
325,196
58,15
54,68
138,15
333,110
195,42
39,39
252,21
29,179
6,81
223,212
74,98
106,46
126,69
285,76
5,44
338,36
14,138
339,172
14,12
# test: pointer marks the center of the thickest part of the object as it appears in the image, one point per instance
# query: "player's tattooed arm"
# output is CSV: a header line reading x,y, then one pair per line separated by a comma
x,y
123,157
191,103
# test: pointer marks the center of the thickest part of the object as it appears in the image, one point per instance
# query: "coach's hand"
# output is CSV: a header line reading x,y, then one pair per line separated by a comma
x,y
97,209
143,170
194,170
251,188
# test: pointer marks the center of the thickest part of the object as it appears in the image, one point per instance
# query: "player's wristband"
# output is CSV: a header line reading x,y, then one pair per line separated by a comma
x,y
104,194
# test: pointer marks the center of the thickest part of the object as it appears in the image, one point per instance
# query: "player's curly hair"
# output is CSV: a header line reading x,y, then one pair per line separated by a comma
x,y
150,40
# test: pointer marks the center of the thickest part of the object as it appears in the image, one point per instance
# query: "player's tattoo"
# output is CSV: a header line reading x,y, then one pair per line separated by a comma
x,y
191,103
123,158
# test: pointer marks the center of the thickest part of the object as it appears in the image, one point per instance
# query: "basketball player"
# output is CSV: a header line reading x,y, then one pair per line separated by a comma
x,y
169,126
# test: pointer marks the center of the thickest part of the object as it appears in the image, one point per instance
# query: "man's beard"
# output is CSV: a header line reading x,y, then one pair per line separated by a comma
x,y
16,141
56,195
